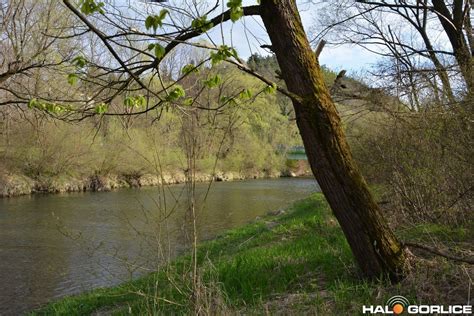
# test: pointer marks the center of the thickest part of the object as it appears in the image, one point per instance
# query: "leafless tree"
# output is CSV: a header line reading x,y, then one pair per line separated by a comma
x,y
427,43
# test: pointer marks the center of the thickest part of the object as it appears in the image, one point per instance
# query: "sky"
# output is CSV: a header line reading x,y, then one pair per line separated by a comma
x,y
247,34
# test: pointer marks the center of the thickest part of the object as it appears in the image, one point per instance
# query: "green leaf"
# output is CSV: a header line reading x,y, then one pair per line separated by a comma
x,y
216,58
101,108
150,46
33,103
270,88
163,14
134,102
246,94
202,24
79,61
236,10
155,21
58,109
149,22
188,69
228,100
176,93
188,101
52,108
159,51
72,79
213,81
140,101
128,101
90,6
223,52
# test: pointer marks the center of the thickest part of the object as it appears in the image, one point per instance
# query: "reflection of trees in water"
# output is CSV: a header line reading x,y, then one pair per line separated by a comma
x,y
99,239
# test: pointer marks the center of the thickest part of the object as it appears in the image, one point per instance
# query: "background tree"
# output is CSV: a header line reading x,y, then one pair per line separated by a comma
x,y
33,50
424,152
425,43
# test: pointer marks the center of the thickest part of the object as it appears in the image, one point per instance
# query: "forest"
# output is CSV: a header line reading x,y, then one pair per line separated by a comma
x,y
108,95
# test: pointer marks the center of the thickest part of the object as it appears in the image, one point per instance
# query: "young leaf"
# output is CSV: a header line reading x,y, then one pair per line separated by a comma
x,y
72,79
128,101
149,22
202,24
213,81
140,101
33,103
222,53
176,93
150,46
101,108
155,21
270,89
159,51
163,14
236,11
188,101
246,94
79,61
89,7
188,69
228,100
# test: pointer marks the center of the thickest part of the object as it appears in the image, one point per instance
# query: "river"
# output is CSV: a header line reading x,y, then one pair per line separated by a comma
x,y
57,245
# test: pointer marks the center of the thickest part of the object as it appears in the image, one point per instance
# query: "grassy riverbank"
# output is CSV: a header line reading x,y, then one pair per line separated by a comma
x,y
296,262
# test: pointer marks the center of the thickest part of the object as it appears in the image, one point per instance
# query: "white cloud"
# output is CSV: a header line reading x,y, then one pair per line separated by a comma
x,y
348,57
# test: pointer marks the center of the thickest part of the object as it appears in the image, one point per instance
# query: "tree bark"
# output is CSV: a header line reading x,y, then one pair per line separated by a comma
x,y
453,25
375,248
440,69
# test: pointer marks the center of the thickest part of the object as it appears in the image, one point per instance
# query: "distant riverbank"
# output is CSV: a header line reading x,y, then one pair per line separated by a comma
x,y
12,184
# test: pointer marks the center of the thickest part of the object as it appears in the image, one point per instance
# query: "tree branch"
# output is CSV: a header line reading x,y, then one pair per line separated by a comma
x,y
106,43
221,18
282,90
185,36
319,48
439,252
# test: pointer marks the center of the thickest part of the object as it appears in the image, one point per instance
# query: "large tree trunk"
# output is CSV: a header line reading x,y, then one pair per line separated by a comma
x,y
376,249
453,25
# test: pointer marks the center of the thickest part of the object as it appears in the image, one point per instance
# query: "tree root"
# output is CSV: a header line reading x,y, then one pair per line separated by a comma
x,y
469,260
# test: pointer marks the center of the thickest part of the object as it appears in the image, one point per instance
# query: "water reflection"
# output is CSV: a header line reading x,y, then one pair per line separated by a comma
x,y
55,245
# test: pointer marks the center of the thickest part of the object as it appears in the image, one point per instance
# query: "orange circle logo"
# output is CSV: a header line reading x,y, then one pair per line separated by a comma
x,y
398,304
397,309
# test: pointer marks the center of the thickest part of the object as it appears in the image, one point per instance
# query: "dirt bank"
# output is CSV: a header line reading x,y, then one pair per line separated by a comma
x,y
15,185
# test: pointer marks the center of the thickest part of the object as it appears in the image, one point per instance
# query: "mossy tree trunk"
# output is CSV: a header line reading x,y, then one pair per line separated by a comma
x,y
376,249
453,25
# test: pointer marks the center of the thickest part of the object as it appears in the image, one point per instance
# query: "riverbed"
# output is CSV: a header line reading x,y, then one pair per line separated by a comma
x,y
57,245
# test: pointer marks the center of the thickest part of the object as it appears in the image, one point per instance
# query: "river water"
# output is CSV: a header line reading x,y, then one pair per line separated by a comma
x,y
57,245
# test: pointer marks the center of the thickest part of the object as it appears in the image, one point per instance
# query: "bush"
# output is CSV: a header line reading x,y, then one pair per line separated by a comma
x,y
424,160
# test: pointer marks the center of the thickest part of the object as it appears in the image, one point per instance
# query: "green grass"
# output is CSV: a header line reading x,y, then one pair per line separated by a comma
x,y
299,262
430,231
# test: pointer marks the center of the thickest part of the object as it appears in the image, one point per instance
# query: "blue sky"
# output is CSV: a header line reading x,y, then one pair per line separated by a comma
x,y
248,34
